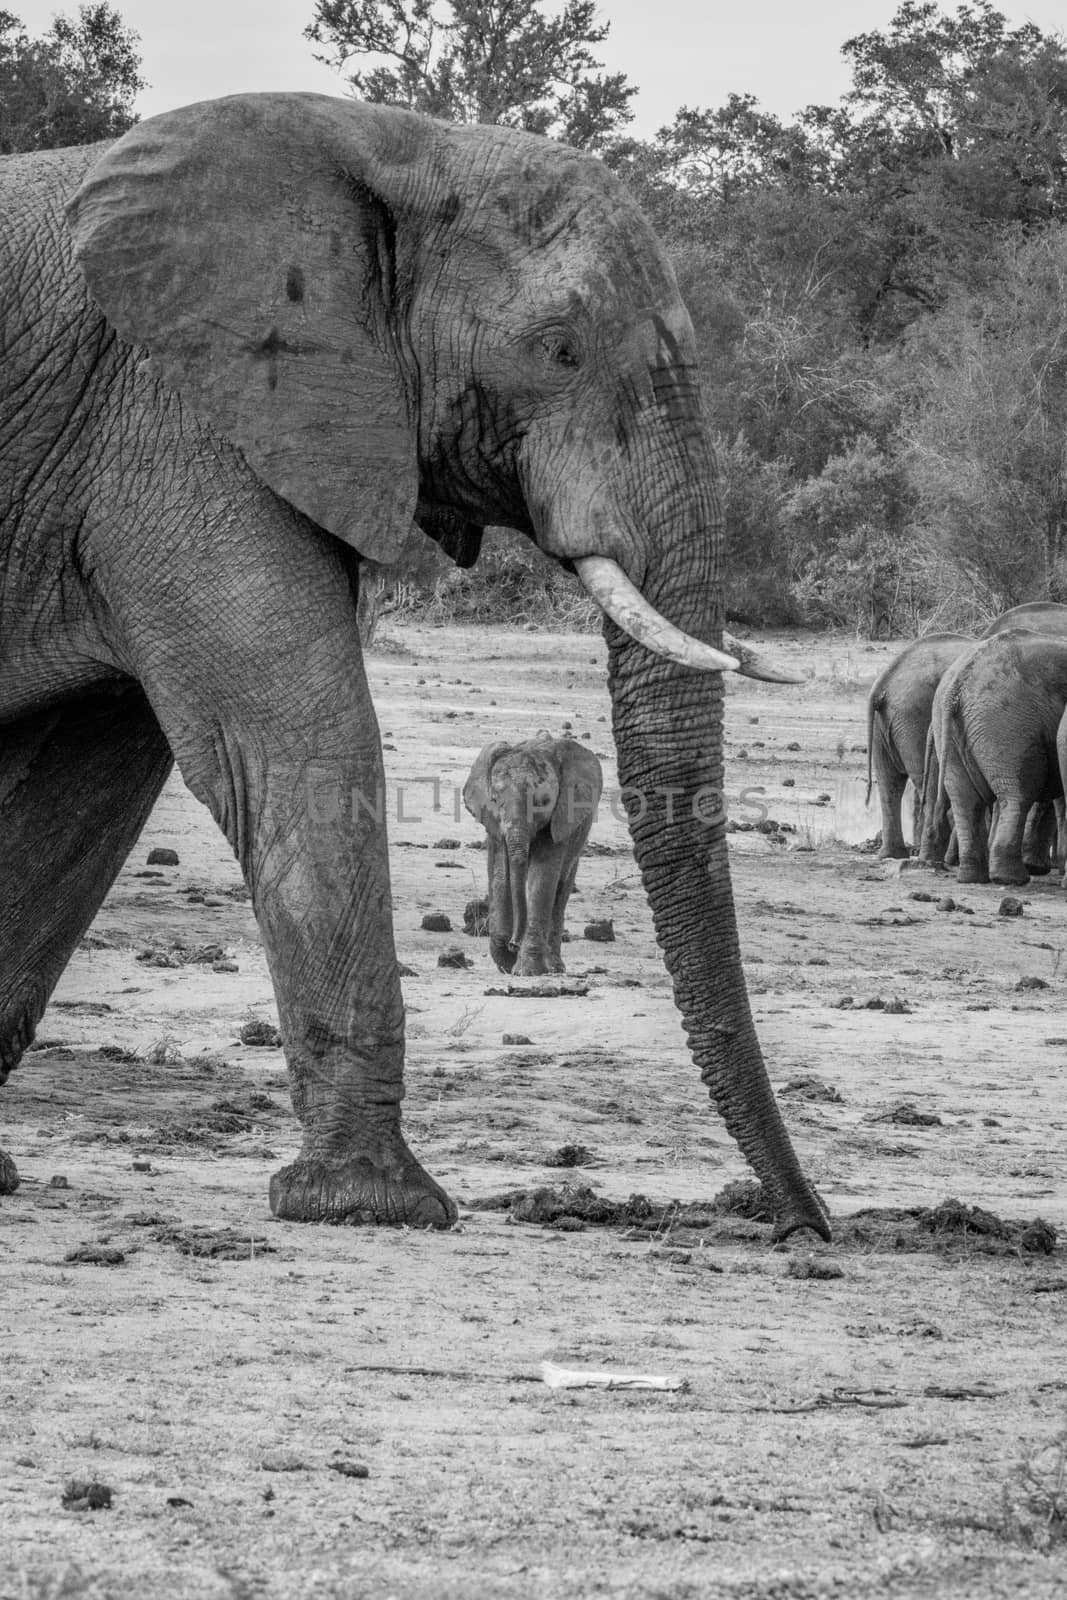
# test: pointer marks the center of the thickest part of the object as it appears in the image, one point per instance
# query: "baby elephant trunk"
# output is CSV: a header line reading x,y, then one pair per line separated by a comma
x,y
517,840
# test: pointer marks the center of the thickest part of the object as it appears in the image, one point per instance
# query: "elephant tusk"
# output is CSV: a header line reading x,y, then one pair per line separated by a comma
x,y
753,664
627,606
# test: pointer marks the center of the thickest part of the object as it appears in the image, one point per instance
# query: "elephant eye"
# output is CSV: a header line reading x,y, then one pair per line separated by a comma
x,y
560,350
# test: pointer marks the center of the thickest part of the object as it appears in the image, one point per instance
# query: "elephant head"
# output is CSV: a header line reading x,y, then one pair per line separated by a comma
x,y
388,317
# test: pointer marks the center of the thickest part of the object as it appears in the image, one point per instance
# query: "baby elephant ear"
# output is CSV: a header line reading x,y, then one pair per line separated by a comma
x,y
476,788
249,245
581,781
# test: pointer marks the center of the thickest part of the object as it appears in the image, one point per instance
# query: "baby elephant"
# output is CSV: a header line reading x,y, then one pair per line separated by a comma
x,y
999,710
536,802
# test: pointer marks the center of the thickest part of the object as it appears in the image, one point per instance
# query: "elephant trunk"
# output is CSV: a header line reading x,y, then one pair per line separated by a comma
x,y
517,843
668,730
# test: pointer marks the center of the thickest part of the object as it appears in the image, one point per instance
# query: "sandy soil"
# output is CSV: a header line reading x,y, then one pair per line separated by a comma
x,y
289,1411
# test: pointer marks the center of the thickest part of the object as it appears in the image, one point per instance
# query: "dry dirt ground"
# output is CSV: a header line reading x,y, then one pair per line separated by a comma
x,y
294,1411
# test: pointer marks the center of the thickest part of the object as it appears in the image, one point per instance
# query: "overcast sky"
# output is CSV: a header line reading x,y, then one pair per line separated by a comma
x,y
679,52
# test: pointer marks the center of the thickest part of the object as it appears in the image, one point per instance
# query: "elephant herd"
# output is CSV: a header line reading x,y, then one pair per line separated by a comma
x,y
979,727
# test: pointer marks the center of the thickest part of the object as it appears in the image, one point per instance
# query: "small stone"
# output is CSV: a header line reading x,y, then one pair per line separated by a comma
x,y
404,971
789,783
1010,907
454,958
447,844
1038,1237
159,958
96,1255
283,1461
601,932
793,745
1031,983
260,1033
813,1267
476,918
516,1038
162,857
436,922
59,1182
350,1469
822,800
91,1496
946,903
225,966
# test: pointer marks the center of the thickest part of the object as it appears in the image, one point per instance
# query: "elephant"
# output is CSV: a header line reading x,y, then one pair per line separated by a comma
x,y
999,709
245,346
537,801
1045,833
898,721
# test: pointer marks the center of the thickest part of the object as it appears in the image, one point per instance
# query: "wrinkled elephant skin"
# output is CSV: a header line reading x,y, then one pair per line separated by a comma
x,y
243,348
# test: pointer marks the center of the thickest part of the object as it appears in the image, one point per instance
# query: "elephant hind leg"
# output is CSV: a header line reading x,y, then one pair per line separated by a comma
x,y
1006,864
1040,838
891,785
76,786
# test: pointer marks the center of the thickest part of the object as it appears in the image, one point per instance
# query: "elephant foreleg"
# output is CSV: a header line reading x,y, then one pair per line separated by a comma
x,y
501,913
76,786
260,688
536,954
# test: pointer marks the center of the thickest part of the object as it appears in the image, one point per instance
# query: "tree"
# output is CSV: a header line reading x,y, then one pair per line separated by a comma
x,y
500,61
986,433
74,85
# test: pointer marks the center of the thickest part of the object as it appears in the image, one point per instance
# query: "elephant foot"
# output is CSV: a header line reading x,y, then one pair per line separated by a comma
x,y
1036,869
1010,877
534,966
970,873
9,1178
358,1190
503,953
894,852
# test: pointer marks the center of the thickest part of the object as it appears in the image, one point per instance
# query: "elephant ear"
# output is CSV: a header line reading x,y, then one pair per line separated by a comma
x,y
249,245
476,796
580,784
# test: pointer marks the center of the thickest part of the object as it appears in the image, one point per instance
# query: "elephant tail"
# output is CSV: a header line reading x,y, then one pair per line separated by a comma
x,y
870,749
931,789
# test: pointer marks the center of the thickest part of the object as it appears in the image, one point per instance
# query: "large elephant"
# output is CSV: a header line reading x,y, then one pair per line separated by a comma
x,y
999,710
1044,834
898,720
243,347
537,801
